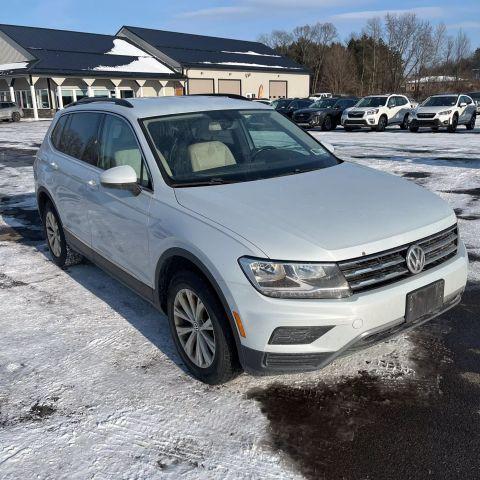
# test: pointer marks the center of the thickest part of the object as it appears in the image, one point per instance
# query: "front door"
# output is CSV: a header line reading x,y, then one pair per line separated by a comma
x,y
119,219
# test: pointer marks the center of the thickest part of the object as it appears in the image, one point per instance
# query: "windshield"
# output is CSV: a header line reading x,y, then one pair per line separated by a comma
x,y
227,146
444,101
281,103
372,102
324,103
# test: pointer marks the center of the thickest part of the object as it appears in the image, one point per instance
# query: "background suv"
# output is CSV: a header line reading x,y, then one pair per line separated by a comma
x,y
325,113
10,111
447,111
378,112
264,250
288,107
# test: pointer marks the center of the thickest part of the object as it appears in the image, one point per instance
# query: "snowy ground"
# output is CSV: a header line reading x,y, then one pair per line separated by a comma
x,y
91,386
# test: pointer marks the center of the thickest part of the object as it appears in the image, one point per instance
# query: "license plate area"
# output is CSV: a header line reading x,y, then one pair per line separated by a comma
x,y
424,301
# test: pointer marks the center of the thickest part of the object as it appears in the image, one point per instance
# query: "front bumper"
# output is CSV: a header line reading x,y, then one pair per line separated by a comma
x,y
357,322
360,122
430,122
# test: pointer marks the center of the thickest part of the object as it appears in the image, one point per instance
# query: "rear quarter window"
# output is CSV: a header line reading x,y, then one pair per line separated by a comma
x,y
56,136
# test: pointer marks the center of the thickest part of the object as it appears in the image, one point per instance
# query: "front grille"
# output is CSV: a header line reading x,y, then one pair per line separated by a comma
x,y
302,117
355,114
373,271
425,115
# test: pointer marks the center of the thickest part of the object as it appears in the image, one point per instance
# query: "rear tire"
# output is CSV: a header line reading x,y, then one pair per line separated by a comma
x,y
16,117
471,124
62,254
200,329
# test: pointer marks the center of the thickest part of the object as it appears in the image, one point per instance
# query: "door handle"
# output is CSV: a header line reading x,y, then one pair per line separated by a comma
x,y
53,165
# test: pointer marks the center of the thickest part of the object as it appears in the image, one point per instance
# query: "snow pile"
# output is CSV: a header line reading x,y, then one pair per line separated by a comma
x,y
13,66
250,52
241,64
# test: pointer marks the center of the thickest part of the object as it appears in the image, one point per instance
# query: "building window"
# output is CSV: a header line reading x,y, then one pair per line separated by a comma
x,y
4,96
101,93
81,93
43,99
23,98
67,96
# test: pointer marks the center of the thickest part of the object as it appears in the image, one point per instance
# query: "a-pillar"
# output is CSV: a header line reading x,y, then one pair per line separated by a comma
x,y
59,82
89,82
140,83
116,84
32,81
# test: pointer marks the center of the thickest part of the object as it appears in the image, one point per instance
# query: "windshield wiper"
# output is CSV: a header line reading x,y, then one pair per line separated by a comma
x,y
210,181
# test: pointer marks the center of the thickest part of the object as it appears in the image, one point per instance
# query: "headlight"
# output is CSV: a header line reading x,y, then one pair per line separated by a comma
x,y
372,112
445,112
295,280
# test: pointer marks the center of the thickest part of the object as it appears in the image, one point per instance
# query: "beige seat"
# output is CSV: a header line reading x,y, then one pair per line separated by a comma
x,y
130,156
207,155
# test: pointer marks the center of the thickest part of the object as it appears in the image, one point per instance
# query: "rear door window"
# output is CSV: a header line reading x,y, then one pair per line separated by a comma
x,y
80,136
57,133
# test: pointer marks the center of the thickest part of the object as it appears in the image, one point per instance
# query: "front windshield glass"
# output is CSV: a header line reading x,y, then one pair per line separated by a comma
x,y
443,101
215,147
281,103
372,102
324,103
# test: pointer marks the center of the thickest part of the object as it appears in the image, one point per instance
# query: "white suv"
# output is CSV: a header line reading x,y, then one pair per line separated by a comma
x,y
447,111
377,112
265,251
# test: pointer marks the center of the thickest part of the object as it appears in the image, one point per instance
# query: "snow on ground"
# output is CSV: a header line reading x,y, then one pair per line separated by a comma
x,y
90,384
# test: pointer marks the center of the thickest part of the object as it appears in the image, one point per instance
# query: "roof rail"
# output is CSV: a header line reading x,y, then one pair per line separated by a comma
x,y
117,101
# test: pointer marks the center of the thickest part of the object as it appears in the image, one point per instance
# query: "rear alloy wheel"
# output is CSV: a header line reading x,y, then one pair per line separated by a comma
x,y
471,124
62,254
453,126
327,123
16,117
200,329
404,124
382,124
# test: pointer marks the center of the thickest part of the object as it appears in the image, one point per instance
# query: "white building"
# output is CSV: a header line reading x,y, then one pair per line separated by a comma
x,y
43,70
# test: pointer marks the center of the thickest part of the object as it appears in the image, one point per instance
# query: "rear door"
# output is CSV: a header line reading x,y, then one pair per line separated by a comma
x,y
119,219
73,161
4,110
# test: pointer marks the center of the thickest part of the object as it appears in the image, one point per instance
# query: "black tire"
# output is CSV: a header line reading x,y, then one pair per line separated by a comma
x,y
471,124
413,128
64,256
16,117
327,123
404,124
452,128
435,129
382,124
225,365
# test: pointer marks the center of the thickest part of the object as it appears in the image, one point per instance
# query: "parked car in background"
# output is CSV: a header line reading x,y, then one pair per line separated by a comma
x,y
475,96
445,111
378,112
318,96
265,250
325,113
288,109
10,111
413,103
265,101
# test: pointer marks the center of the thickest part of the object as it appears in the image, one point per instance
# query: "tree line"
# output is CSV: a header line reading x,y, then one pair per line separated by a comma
x,y
399,52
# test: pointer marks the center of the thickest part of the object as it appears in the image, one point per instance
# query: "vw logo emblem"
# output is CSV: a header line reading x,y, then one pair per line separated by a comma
x,y
415,259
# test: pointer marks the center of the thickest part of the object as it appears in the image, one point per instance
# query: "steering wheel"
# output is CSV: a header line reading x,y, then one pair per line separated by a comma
x,y
262,149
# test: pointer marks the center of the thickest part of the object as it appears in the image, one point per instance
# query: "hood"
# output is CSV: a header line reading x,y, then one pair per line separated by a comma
x,y
335,213
362,109
433,109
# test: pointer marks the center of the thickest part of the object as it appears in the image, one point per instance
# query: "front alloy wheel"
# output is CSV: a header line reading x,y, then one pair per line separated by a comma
x,y
194,328
53,234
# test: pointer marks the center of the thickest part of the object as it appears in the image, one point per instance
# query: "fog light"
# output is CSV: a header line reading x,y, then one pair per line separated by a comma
x,y
297,335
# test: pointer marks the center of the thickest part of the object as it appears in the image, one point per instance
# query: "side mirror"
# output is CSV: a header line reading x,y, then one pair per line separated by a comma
x,y
329,147
463,104
122,178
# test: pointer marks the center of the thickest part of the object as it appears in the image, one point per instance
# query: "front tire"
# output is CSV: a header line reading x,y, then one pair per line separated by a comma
x,y
327,123
413,128
382,124
404,124
200,329
62,254
16,117
452,128
471,124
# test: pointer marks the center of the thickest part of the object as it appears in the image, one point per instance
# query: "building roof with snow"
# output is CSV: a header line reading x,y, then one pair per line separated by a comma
x,y
184,50
42,51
